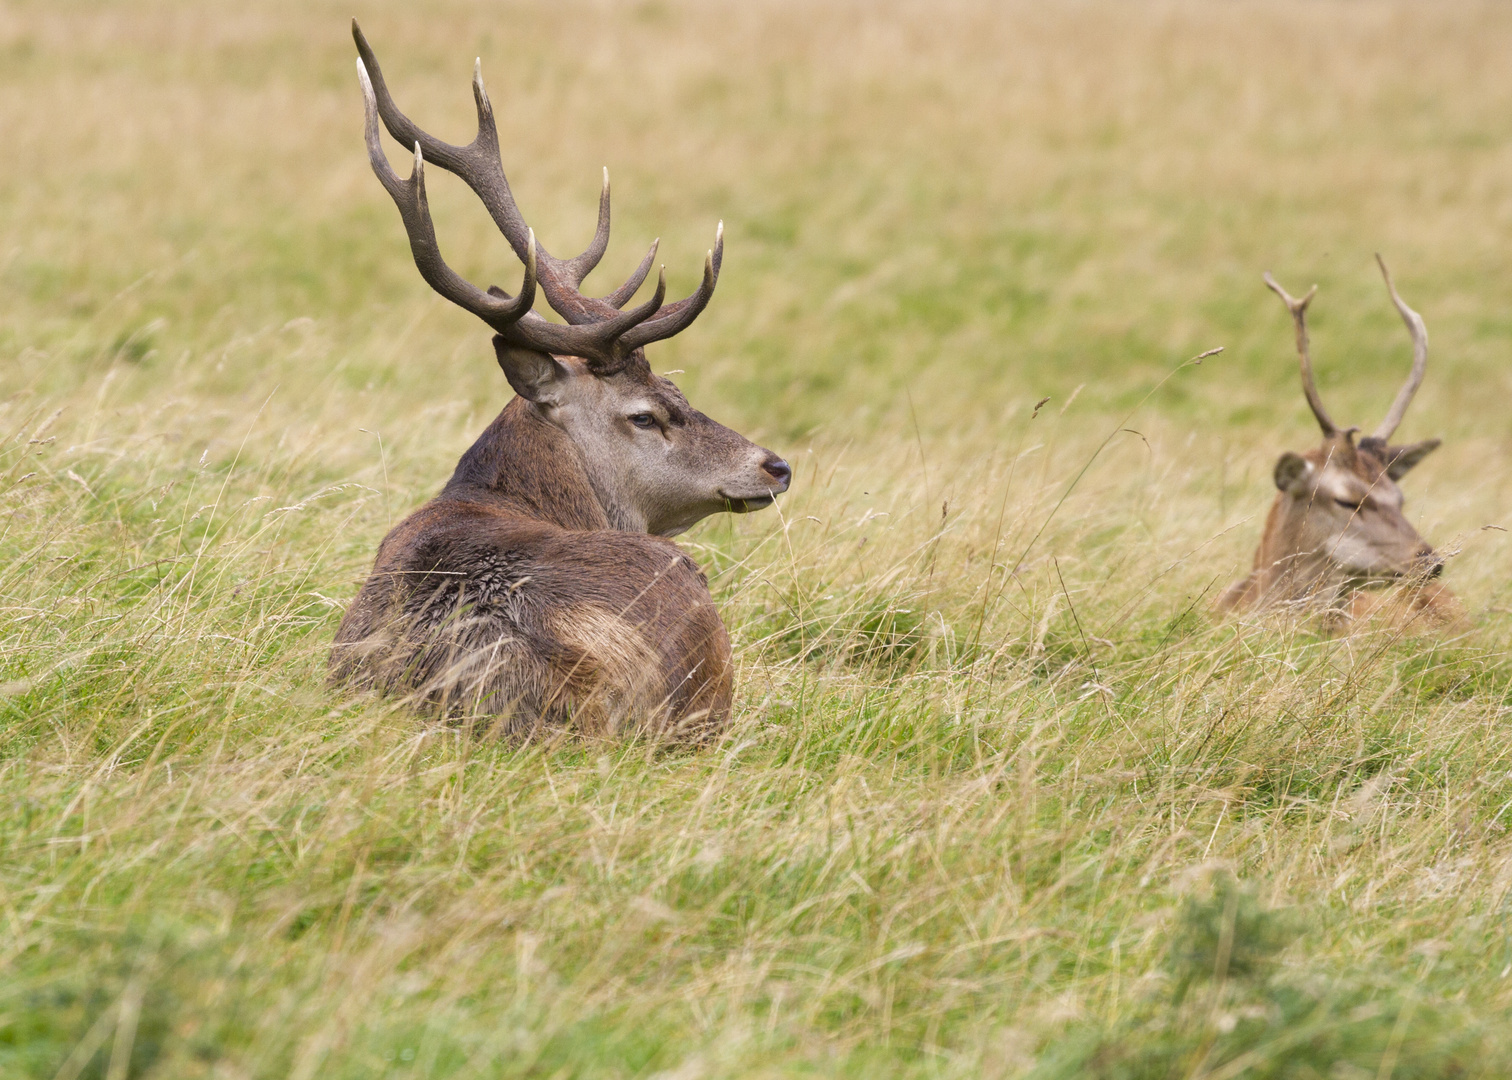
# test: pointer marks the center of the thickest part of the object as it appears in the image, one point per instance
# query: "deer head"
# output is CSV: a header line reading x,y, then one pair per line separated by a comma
x,y
655,464
1337,525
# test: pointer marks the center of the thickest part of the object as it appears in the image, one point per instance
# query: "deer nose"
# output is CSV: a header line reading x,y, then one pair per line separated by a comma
x,y
1431,565
778,470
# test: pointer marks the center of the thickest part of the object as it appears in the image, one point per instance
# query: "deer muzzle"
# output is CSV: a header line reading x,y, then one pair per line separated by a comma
x,y
776,475
1428,564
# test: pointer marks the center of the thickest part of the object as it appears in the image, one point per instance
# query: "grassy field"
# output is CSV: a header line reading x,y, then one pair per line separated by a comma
x,y
1001,797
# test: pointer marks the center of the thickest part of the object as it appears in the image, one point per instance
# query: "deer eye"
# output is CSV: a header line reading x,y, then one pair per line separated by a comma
x,y
643,420
1346,504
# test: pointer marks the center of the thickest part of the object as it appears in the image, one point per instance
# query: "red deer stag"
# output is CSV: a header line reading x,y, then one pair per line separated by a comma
x,y
1336,538
539,586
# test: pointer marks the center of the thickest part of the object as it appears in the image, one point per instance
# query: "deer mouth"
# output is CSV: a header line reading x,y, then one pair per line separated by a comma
x,y
1378,579
738,505
1385,579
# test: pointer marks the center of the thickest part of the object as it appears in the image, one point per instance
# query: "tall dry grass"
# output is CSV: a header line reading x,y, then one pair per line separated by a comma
x,y
1001,797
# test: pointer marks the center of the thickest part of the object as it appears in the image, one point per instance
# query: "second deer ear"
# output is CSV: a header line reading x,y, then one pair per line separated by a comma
x,y
1400,460
1294,474
535,376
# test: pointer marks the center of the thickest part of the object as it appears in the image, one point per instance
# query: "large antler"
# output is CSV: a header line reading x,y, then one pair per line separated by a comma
x,y
1298,309
597,330
1419,333
494,307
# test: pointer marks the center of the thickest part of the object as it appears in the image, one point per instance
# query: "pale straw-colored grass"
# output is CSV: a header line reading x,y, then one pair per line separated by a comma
x,y
1001,797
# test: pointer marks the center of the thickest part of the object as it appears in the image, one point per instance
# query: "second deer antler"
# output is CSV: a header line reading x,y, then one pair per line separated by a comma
x,y
1298,309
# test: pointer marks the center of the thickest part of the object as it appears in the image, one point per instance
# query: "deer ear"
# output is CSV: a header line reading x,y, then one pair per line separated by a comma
x,y
1293,473
535,376
1400,460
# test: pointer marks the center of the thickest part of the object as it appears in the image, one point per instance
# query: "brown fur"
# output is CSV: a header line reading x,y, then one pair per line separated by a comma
x,y
509,594
1336,541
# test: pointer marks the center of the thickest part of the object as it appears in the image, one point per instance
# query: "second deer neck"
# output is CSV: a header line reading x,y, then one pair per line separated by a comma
x,y
532,466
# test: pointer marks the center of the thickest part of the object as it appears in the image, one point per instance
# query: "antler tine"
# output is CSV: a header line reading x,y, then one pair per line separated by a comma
x,y
621,295
580,266
615,329
477,163
1298,309
680,315
499,310
1419,332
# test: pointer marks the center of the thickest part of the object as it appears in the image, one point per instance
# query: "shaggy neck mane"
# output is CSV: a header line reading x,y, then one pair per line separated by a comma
x,y
525,464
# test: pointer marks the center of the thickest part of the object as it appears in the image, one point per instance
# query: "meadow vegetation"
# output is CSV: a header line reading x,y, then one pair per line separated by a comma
x,y
1001,797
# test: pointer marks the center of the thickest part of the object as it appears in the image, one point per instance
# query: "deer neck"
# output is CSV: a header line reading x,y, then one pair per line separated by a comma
x,y
528,465
1290,569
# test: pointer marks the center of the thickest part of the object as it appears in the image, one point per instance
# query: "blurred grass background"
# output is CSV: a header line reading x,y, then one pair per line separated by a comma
x,y
1001,797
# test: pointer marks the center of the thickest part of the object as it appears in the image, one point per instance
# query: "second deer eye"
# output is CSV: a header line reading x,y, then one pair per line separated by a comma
x,y
643,420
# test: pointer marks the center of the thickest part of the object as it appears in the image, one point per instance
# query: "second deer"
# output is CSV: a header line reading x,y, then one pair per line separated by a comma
x,y
1336,539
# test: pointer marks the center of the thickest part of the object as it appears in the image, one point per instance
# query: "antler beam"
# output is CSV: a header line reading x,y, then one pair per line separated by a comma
x,y
1298,309
496,308
1419,332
